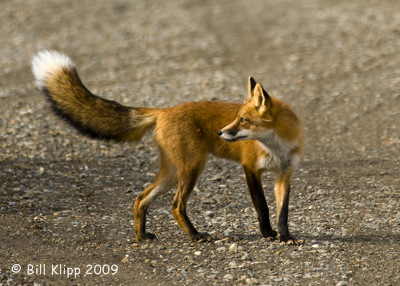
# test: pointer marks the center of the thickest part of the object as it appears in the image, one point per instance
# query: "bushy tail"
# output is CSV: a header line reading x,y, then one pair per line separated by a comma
x,y
92,115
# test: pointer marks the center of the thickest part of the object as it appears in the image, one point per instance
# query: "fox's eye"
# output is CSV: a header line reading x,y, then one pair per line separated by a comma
x,y
243,120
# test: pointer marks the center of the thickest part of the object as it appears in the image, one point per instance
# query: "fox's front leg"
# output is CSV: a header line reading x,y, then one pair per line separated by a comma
x,y
260,204
282,191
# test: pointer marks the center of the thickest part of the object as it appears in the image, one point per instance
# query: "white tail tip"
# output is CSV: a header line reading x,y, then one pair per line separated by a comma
x,y
47,63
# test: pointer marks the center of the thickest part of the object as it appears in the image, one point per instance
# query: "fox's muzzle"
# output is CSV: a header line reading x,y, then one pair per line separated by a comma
x,y
229,135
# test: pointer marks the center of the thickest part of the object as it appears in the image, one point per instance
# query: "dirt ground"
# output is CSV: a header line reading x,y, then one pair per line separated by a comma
x,y
66,202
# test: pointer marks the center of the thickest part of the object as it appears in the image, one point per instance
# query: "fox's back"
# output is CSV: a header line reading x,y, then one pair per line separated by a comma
x,y
191,129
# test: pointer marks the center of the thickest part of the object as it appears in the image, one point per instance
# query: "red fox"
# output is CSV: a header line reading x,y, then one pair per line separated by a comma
x,y
263,134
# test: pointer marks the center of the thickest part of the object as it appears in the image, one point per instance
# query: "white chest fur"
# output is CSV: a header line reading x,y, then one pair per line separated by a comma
x,y
278,153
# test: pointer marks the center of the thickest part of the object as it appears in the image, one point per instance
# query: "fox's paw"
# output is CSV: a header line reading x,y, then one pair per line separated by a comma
x,y
146,236
270,234
287,240
201,237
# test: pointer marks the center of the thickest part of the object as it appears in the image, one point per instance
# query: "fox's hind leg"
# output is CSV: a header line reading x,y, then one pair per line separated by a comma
x,y
187,178
165,180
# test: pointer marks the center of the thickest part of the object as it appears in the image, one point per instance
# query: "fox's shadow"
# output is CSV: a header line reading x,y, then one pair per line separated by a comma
x,y
308,239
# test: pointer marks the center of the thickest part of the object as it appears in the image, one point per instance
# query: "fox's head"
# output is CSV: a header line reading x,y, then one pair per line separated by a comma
x,y
254,117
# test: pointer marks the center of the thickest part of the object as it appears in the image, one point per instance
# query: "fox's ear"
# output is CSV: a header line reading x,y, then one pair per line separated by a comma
x,y
251,86
261,99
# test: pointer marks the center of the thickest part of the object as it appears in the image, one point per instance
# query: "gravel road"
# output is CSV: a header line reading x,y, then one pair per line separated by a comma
x,y
66,202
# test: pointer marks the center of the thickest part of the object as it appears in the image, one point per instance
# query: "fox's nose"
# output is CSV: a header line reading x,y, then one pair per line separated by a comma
x,y
220,132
